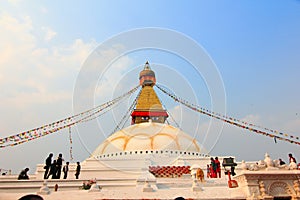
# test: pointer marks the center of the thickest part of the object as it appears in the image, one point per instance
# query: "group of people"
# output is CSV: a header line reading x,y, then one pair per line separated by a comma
x,y
291,159
54,168
214,168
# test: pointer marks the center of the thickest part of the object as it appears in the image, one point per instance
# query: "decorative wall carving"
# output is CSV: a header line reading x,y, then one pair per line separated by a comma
x,y
279,189
269,184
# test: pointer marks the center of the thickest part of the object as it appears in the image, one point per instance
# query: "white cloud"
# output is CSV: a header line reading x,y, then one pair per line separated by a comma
x,y
113,75
43,10
49,33
289,126
16,40
76,53
36,84
14,2
31,75
251,118
293,126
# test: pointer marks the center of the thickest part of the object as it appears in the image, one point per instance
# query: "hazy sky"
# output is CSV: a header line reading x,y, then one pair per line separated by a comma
x,y
255,46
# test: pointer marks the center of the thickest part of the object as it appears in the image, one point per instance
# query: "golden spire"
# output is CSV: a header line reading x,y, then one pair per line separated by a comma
x,y
147,76
148,104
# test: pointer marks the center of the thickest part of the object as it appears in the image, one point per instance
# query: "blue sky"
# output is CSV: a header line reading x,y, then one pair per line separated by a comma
x,y
255,45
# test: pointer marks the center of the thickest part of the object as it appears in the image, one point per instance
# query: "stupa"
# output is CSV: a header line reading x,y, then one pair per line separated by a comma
x,y
147,143
152,160
148,133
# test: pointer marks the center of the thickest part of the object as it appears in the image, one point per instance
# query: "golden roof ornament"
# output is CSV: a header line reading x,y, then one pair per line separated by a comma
x,y
148,104
147,76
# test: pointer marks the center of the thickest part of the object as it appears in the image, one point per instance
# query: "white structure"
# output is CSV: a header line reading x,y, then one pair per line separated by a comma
x,y
150,160
131,151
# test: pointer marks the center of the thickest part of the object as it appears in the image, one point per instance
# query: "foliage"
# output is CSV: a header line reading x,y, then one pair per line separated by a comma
x,y
86,185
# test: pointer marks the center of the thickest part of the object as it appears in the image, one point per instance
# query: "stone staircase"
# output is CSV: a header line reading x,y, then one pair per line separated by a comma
x,y
11,184
187,182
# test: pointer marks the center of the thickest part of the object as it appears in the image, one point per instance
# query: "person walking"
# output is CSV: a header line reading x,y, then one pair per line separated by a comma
x,y
59,162
48,165
65,170
78,168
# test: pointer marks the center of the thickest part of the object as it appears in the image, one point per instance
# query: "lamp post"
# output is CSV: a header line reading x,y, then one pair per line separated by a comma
x,y
229,162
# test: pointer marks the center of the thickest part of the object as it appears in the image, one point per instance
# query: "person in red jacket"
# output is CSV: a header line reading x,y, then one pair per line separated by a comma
x,y
213,168
208,171
218,167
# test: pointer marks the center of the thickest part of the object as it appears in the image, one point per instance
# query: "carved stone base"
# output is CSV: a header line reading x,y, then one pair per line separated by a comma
x,y
296,198
266,197
269,184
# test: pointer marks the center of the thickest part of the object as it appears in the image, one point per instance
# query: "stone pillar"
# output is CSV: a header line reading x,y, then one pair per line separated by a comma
x,y
249,187
146,178
95,188
44,190
262,190
196,187
147,187
297,190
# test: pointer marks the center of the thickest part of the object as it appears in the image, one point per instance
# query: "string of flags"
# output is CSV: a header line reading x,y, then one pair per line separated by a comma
x,y
102,113
127,115
233,121
68,122
71,142
93,113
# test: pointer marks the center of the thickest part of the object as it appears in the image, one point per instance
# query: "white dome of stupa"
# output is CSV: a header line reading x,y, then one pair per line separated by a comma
x,y
148,136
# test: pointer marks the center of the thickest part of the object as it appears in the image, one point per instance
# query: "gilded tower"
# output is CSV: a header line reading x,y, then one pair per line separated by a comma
x,y
148,104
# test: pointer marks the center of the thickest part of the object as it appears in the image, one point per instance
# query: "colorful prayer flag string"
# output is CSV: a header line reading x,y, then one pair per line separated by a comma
x,y
239,123
71,142
44,130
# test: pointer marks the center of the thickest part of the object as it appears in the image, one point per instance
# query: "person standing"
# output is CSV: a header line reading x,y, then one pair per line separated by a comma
x,y
218,167
213,170
65,170
59,162
78,168
52,170
48,165
208,171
